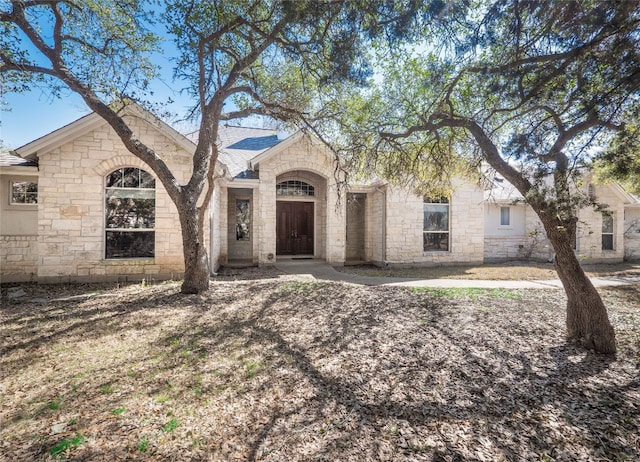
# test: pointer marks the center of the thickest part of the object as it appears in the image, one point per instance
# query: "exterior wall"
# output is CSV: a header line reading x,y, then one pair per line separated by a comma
x,y
632,233
18,258
404,228
304,161
375,239
18,232
523,239
71,211
17,220
589,235
216,234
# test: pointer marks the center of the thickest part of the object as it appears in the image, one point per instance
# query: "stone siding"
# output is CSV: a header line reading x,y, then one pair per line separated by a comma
x,y
18,258
302,160
71,211
404,228
589,234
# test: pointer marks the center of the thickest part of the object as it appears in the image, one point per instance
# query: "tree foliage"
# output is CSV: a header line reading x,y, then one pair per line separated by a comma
x,y
528,88
621,160
269,57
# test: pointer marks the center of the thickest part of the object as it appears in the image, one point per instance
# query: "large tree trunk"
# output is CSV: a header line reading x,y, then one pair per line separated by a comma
x,y
587,319
196,262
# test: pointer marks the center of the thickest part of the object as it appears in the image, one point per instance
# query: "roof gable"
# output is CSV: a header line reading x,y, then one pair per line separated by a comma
x,y
92,122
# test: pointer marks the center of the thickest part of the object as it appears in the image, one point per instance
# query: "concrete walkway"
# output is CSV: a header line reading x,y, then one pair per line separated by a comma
x,y
323,271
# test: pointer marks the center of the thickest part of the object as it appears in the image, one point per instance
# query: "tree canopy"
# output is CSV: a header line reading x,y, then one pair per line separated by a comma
x,y
528,89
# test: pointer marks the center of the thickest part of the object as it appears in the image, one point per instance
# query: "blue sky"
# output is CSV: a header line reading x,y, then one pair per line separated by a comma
x,y
27,116
35,113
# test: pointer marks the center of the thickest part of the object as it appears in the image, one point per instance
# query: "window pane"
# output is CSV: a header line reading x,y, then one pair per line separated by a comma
x,y
436,217
147,180
131,209
114,179
123,212
607,222
24,192
435,241
607,242
505,216
294,188
242,220
131,178
123,244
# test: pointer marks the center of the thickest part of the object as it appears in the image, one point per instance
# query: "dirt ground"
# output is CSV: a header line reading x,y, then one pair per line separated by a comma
x,y
514,271
269,367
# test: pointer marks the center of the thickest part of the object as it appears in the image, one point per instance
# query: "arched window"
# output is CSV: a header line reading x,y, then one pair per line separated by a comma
x,y
295,188
130,213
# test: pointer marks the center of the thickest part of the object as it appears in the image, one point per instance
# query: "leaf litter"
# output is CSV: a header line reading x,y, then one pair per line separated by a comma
x,y
269,367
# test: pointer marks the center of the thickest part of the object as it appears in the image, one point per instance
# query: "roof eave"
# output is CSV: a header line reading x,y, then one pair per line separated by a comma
x,y
24,170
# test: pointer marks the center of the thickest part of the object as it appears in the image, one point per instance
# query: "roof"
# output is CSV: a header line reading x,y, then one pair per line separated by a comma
x,y
91,122
9,160
239,145
500,190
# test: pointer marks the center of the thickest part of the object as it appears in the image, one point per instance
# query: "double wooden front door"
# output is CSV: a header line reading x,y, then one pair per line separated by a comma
x,y
294,228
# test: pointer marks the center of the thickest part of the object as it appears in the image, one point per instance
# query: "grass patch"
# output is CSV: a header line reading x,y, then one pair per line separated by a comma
x,y
252,368
107,389
472,293
55,404
171,425
143,445
118,411
65,445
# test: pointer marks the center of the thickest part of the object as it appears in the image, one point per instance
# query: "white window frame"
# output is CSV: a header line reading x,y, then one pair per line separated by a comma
x,y
128,229
608,233
22,204
441,202
508,224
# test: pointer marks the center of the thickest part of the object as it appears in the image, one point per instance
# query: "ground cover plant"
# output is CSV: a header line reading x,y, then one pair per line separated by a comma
x,y
282,368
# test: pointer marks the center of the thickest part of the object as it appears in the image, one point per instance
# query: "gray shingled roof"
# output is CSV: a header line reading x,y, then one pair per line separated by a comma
x,y
9,160
239,145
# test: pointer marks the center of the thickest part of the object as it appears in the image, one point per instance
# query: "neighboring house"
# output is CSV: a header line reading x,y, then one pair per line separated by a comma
x,y
77,206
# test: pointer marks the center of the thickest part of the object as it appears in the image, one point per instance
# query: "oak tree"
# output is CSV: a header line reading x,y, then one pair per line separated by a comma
x,y
266,56
528,88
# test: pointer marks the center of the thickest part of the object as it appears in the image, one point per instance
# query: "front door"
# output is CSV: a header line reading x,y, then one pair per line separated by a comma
x,y
294,228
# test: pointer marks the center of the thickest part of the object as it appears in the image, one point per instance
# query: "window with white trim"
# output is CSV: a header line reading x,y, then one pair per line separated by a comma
x,y
436,235
23,193
130,214
607,231
295,188
505,216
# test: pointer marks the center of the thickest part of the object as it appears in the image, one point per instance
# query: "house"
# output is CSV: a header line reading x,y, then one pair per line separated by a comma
x,y
77,206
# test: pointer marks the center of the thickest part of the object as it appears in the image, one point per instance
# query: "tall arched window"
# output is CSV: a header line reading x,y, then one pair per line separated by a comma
x,y
130,213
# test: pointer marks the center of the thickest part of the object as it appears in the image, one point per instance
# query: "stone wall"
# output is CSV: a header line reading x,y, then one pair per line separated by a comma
x,y
71,211
589,235
632,234
18,258
404,228
301,159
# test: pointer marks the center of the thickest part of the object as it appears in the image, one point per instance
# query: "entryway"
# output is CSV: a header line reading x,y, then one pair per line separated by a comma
x,y
294,228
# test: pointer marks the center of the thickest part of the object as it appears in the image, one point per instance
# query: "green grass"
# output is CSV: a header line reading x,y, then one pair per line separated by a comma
x,y
118,411
66,444
252,368
473,293
143,445
106,389
171,425
55,404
